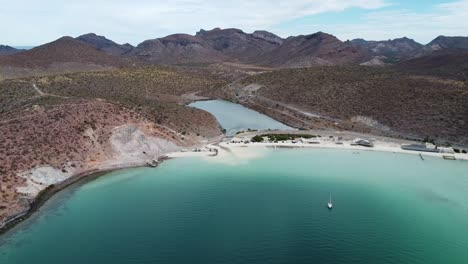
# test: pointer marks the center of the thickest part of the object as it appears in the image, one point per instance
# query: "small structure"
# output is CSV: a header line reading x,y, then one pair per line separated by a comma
x,y
421,147
448,157
362,142
339,141
310,140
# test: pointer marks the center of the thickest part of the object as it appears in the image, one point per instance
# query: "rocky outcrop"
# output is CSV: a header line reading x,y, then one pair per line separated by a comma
x,y
39,178
130,144
268,36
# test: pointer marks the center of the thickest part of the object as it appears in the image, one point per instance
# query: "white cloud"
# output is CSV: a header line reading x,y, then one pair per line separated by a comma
x,y
445,19
35,22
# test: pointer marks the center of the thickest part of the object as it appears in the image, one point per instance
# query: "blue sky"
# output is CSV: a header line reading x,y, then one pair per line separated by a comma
x,y
31,22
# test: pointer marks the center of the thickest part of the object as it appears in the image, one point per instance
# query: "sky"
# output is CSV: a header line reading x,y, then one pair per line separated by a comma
x,y
34,22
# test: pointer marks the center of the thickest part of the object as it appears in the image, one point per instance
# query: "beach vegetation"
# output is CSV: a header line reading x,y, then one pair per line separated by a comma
x,y
257,139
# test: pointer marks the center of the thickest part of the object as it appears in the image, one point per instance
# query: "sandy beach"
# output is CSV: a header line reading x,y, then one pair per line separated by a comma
x,y
240,148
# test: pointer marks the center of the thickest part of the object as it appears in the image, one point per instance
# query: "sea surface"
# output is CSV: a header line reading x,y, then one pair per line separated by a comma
x,y
388,208
24,47
235,117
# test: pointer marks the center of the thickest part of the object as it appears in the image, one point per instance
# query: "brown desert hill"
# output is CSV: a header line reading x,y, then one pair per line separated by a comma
x,y
446,64
7,50
176,49
104,44
309,50
238,45
379,100
63,50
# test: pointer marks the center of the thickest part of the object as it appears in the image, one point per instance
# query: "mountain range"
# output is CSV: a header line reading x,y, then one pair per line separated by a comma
x,y
259,48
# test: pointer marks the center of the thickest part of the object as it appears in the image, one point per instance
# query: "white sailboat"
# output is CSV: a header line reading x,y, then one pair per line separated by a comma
x,y
330,204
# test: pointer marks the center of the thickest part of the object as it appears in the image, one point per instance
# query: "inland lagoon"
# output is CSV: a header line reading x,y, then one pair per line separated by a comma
x,y
269,208
235,117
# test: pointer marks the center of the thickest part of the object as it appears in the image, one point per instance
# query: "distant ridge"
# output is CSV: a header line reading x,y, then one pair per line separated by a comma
x,y
393,50
207,46
218,45
7,50
309,50
451,43
238,45
259,47
63,55
176,49
63,50
104,44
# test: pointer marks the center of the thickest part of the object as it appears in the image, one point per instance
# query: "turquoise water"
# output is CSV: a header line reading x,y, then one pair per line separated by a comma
x,y
388,208
235,117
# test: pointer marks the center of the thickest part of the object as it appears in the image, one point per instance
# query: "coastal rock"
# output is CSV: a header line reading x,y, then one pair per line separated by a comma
x,y
39,178
131,144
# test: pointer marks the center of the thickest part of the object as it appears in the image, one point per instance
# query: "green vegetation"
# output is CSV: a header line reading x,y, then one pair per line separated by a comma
x,y
257,138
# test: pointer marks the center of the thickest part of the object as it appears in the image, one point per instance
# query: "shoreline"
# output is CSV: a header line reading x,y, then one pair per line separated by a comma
x,y
53,189
381,144
44,195
241,150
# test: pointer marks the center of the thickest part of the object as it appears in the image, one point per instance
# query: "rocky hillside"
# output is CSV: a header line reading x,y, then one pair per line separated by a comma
x,y
57,127
104,44
46,144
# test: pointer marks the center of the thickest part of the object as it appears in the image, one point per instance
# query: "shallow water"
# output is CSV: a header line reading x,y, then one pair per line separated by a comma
x,y
235,117
388,208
